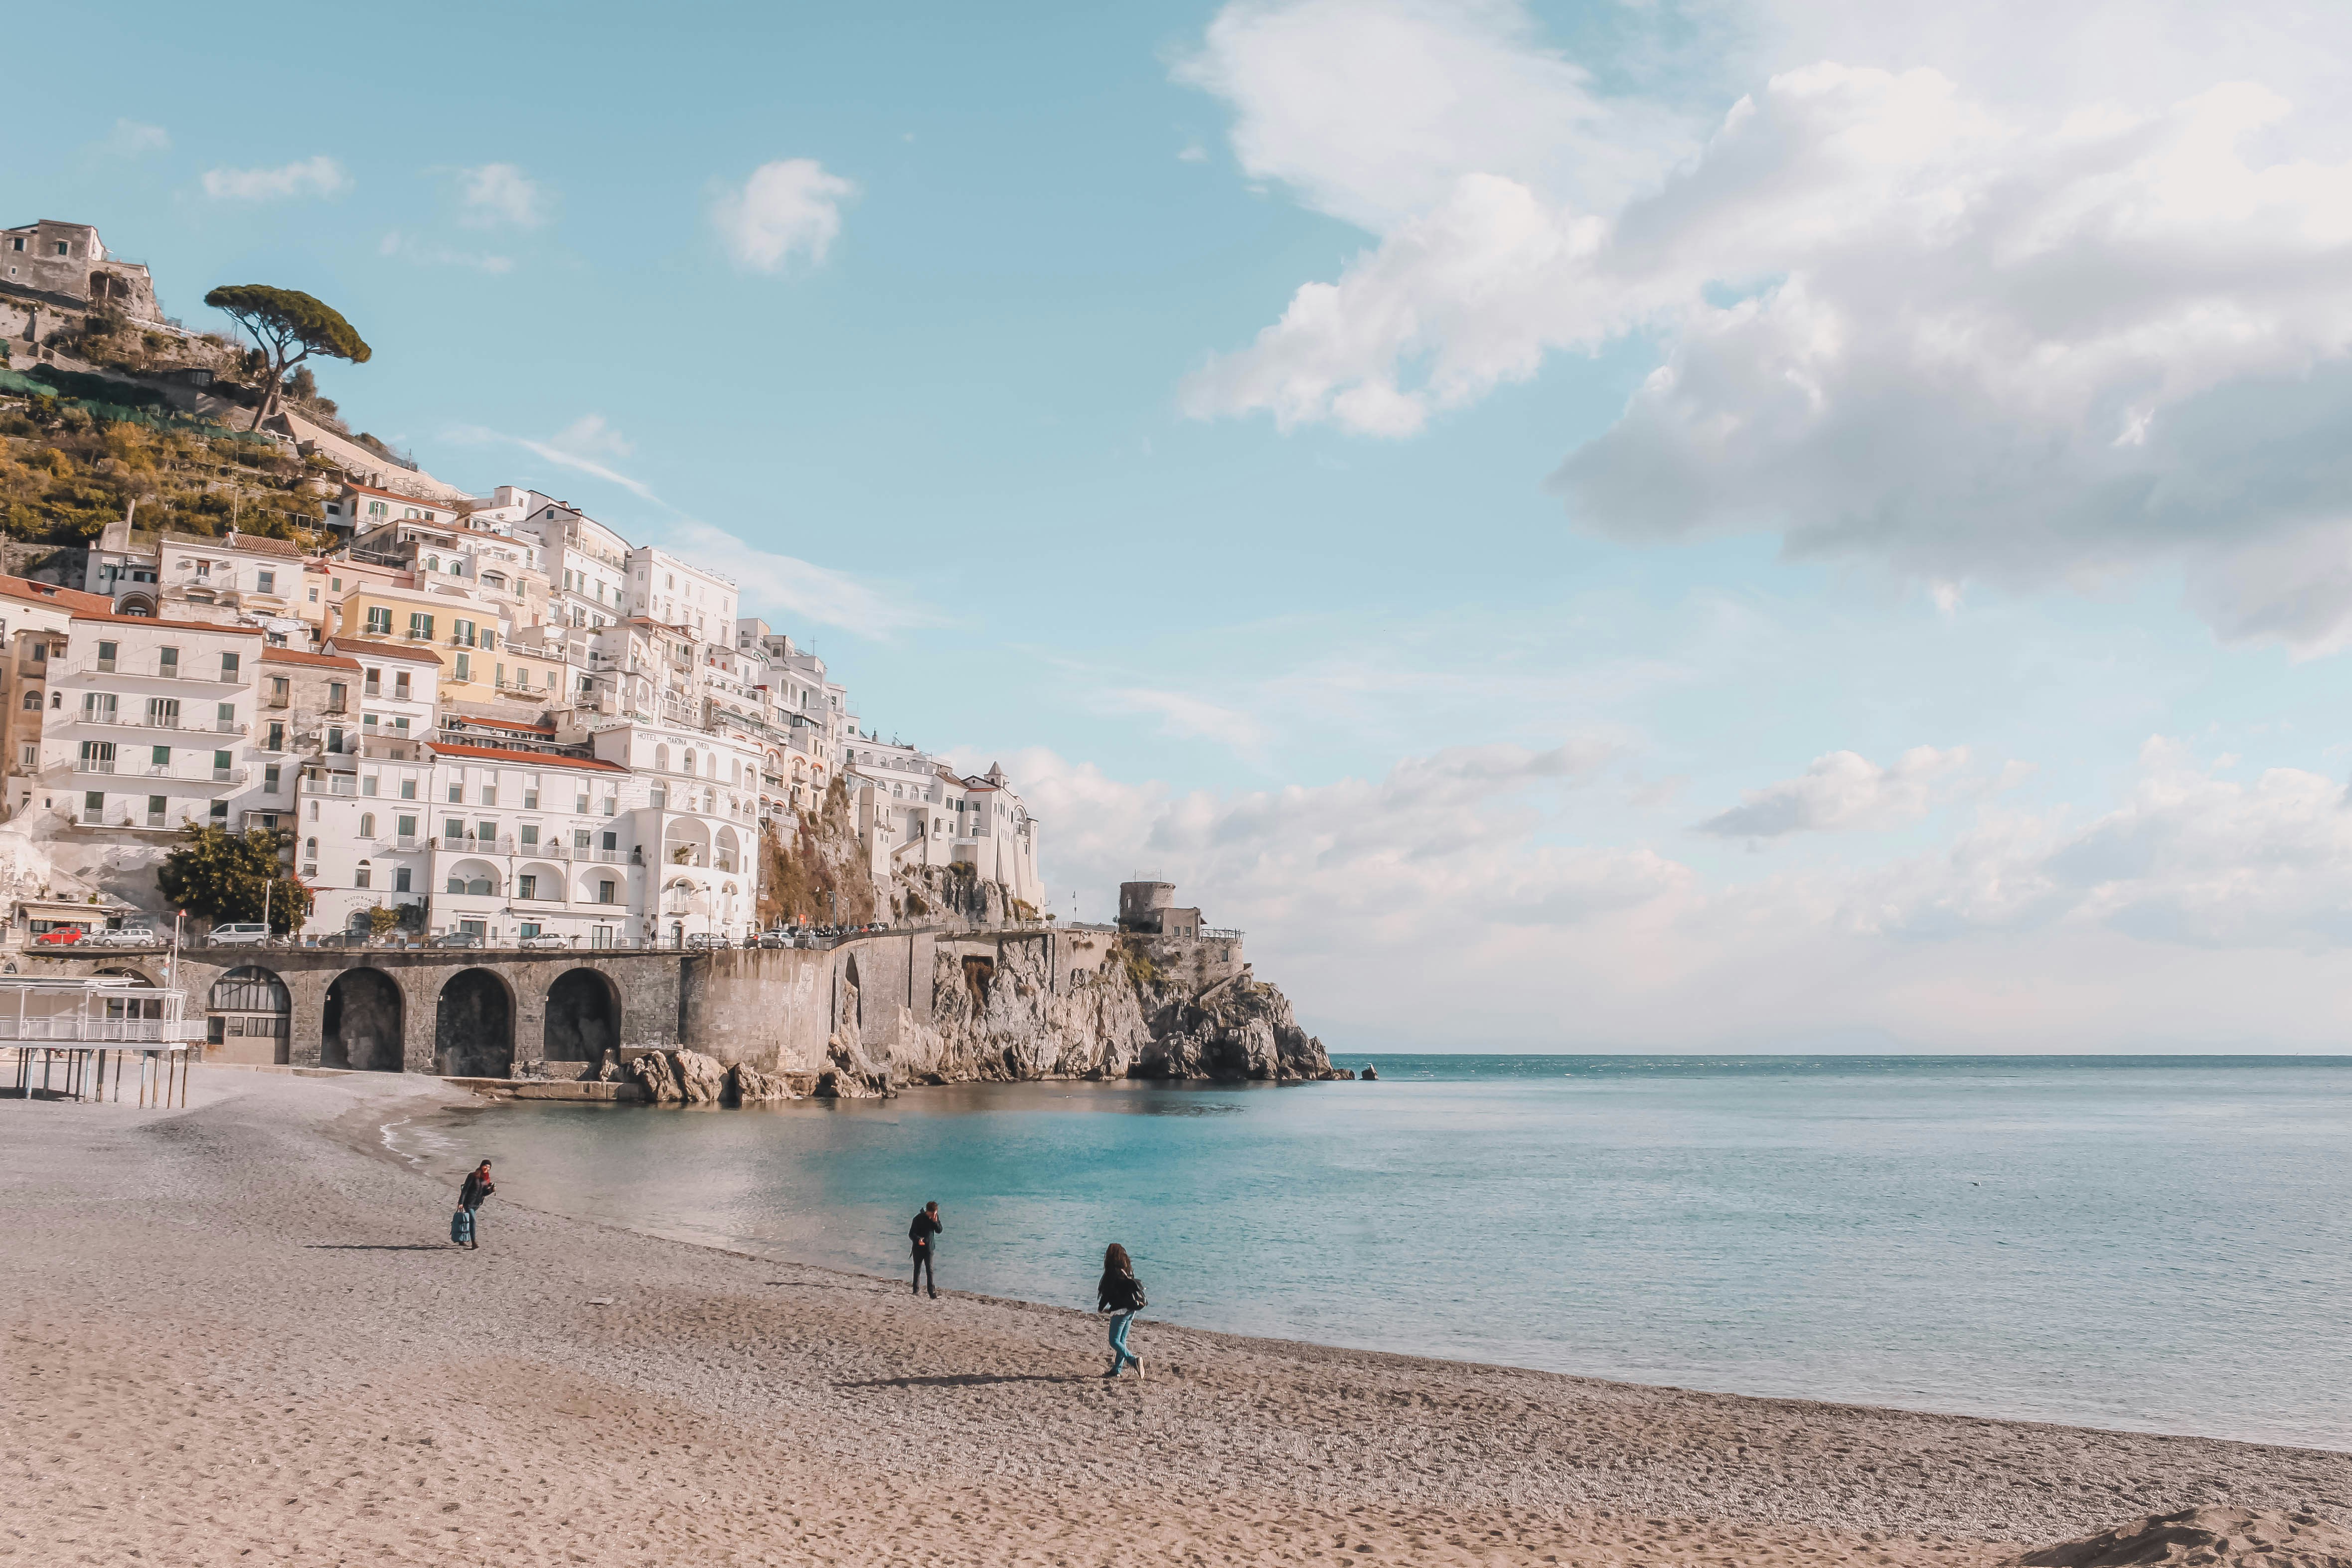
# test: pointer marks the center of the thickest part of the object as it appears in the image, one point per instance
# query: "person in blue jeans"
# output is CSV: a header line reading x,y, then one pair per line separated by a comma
x,y
1121,1295
471,1196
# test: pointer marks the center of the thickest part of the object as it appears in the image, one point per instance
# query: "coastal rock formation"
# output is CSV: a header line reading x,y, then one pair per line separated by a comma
x,y
748,1085
655,1073
851,1075
2222,1537
1002,1019
701,1080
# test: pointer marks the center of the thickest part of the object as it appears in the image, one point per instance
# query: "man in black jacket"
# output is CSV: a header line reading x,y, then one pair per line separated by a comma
x,y
927,1225
478,1187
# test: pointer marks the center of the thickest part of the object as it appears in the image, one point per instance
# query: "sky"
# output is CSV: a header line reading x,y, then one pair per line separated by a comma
x,y
1647,525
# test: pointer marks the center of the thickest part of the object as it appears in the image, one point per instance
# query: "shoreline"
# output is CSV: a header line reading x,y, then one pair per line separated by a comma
x,y
474,1102
265,1248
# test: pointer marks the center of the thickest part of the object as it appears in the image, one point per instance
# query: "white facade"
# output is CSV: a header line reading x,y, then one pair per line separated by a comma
x,y
586,564
663,587
150,726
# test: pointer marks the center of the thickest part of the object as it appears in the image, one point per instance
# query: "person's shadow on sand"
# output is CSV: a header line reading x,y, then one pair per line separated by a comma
x,y
964,1380
375,1246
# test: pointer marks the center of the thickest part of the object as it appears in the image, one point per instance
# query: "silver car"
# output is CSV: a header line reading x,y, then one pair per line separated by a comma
x,y
240,933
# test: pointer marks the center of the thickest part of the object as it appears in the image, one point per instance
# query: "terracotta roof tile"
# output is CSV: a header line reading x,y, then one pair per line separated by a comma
x,y
297,656
170,626
359,649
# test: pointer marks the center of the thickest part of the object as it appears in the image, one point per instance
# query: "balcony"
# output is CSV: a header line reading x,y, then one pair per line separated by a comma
x,y
330,784
391,750
124,768
503,843
172,724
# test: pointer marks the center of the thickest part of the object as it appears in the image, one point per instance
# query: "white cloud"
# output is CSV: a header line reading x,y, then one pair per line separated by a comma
x,y
1190,718
500,194
586,445
2016,338
800,590
788,208
1372,110
318,177
1842,792
130,138
431,253
1436,904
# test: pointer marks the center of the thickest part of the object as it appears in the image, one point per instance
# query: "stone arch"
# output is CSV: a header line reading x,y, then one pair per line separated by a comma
x,y
361,1028
473,876
249,1015
473,1027
583,1017
127,971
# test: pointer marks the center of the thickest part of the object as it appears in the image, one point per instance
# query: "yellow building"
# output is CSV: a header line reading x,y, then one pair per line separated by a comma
x,y
469,638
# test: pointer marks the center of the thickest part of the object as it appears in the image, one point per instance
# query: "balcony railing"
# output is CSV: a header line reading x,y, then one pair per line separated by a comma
x,y
174,723
503,843
101,1031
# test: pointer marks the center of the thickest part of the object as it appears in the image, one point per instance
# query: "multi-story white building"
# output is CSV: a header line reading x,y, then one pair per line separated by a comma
x,y
666,588
586,562
151,725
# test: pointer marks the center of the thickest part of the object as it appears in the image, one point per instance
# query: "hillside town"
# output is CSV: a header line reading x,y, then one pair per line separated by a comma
x,y
495,716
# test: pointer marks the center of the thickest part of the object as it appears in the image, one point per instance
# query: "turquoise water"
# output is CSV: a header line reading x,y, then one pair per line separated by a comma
x,y
2156,1243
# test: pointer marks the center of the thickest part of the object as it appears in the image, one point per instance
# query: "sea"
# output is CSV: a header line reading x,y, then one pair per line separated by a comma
x,y
2148,1243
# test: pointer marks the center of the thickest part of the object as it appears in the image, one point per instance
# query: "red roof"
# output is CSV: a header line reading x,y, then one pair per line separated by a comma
x,y
295,655
168,626
253,541
50,592
380,650
529,759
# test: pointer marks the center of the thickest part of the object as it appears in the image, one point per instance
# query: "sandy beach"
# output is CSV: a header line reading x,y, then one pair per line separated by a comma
x,y
236,1334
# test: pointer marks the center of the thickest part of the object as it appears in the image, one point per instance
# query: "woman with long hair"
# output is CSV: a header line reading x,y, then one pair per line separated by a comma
x,y
1121,1295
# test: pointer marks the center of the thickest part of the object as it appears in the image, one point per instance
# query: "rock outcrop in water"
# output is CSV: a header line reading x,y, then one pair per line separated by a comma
x,y
1003,1020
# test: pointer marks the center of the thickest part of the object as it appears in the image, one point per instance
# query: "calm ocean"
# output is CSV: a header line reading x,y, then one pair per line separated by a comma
x,y
2157,1243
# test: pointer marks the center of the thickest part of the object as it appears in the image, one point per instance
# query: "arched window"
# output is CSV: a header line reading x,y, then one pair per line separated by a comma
x,y
689,761
661,759
310,848
367,825
33,702
433,563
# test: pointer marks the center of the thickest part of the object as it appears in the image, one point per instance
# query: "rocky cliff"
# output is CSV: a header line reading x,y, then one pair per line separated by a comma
x,y
1003,1020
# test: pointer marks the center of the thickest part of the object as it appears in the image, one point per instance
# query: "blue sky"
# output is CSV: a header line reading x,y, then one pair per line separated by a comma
x,y
1678,526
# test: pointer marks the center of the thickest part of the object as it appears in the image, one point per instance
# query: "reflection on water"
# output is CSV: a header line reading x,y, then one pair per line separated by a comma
x,y
2146,1242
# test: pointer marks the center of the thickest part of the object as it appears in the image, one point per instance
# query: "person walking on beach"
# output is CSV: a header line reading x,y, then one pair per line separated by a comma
x,y
927,1225
478,1187
1121,1295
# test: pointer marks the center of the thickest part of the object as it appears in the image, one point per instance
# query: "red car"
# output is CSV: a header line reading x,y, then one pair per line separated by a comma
x,y
59,936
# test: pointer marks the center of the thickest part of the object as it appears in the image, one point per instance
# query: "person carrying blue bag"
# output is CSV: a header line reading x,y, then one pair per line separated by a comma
x,y
478,1187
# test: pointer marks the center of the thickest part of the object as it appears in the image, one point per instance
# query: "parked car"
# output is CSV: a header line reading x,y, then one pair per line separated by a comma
x,y
775,939
126,936
60,936
704,941
240,933
544,942
458,939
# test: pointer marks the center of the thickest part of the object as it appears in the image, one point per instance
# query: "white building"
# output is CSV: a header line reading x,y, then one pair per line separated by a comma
x,y
150,726
663,587
586,564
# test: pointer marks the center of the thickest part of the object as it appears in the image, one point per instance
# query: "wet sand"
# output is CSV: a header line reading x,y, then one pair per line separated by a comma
x,y
236,1334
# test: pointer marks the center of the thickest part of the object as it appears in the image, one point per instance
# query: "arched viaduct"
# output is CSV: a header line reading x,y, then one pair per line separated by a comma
x,y
505,1013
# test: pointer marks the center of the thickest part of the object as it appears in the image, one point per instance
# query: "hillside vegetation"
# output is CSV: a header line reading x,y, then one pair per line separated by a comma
x,y
65,473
